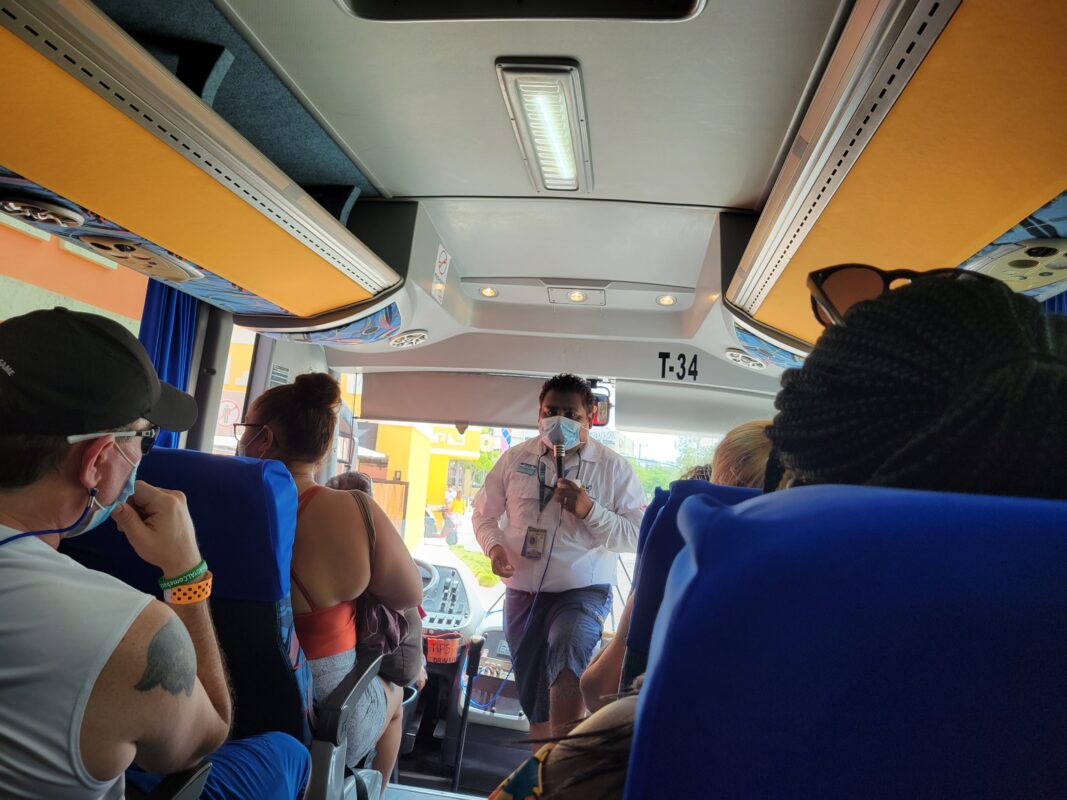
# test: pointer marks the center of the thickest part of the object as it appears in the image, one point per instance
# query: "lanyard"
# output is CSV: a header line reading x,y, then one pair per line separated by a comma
x,y
77,522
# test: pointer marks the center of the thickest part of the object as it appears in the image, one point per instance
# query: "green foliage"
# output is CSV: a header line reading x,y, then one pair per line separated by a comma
x,y
478,563
653,475
691,453
486,461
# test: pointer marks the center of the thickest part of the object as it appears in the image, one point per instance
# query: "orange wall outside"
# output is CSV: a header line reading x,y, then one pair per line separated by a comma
x,y
43,264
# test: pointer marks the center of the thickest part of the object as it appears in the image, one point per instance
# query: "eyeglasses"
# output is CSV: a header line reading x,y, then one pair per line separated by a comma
x,y
835,290
239,428
147,437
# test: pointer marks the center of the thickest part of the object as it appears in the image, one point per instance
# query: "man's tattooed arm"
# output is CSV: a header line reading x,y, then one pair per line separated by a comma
x,y
171,661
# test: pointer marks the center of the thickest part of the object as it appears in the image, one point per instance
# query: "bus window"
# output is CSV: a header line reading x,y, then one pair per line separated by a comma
x,y
231,407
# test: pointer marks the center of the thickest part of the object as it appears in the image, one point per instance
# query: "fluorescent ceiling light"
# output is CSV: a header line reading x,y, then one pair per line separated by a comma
x,y
544,101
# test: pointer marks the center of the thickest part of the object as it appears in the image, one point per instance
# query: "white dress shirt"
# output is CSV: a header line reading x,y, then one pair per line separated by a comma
x,y
584,551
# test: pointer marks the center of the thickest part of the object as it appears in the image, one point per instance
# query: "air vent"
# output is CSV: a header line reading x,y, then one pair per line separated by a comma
x,y
410,338
427,10
279,375
139,258
743,359
1037,267
83,42
31,209
880,81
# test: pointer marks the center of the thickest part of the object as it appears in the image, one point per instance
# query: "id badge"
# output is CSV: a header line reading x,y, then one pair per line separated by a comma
x,y
534,546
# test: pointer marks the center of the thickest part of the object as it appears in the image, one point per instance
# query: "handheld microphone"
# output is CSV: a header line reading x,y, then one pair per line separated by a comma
x,y
561,452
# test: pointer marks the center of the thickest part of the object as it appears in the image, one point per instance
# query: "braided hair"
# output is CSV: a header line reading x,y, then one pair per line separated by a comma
x,y
946,385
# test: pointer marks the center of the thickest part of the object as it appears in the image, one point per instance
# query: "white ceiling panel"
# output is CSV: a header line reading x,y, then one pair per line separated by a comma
x,y
574,239
688,112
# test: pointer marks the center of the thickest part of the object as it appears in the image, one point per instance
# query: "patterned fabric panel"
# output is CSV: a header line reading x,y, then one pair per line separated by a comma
x,y
527,782
211,288
1048,222
301,669
766,351
381,324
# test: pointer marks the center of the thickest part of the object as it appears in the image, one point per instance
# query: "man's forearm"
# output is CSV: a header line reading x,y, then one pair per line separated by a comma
x,y
487,532
209,667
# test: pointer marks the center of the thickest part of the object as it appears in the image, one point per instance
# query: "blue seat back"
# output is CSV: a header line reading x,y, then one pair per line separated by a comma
x,y
658,544
842,642
244,510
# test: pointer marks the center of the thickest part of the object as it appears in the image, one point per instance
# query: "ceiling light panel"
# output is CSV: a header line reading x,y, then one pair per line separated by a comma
x,y
544,102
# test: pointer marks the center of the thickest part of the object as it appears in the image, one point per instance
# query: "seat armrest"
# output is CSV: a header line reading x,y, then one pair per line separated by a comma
x,y
331,715
185,785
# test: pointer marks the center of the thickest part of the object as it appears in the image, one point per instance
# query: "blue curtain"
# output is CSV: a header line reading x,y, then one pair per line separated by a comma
x,y
168,333
1056,305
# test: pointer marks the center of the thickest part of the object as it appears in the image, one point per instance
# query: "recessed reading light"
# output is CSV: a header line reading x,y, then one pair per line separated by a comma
x,y
488,291
576,296
666,299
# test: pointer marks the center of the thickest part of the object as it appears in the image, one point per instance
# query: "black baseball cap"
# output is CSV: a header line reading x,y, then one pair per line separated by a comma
x,y
66,372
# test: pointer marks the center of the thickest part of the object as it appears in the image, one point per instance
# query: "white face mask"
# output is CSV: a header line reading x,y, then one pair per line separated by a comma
x,y
560,430
242,449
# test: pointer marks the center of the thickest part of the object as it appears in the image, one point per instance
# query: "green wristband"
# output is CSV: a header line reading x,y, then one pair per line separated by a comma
x,y
185,577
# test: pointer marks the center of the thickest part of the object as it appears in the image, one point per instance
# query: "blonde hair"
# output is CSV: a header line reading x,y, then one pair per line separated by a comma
x,y
741,457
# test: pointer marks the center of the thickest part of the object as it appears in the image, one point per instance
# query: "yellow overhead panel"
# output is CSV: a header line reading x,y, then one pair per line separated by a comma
x,y
60,134
974,144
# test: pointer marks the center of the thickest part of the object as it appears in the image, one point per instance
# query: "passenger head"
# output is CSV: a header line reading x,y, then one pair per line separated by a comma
x,y
701,472
950,385
294,423
567,395
570,397
80,404
741,457
350,480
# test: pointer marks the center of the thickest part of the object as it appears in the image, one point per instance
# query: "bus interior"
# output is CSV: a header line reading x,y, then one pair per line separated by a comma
x,y
444,204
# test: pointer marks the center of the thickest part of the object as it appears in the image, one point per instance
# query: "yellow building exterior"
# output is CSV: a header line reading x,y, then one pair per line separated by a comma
x,y
419,455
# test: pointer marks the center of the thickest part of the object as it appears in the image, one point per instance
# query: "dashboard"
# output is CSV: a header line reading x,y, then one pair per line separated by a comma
x,y
446,602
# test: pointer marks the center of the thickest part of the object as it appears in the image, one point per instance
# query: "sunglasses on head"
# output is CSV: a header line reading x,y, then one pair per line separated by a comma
x,y
835,290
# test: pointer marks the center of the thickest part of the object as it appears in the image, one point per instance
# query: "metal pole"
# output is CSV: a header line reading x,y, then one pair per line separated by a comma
x,y
474,658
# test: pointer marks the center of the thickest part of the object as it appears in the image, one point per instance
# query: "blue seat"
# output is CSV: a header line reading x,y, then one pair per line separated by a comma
x,y
244,510
842,642
658,543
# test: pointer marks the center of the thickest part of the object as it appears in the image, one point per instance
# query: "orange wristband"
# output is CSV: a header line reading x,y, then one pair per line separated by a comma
x,y
189,593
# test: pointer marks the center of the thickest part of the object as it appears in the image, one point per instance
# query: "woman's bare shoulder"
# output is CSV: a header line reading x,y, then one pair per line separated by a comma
x,y
337,509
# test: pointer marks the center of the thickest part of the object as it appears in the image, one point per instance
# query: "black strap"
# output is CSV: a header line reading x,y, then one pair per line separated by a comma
x,y
368,520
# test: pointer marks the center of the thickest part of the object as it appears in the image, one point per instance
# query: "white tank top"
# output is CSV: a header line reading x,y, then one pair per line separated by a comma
x,y
59,624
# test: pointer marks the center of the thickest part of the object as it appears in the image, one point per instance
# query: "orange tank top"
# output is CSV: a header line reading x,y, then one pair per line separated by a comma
x,y
323,631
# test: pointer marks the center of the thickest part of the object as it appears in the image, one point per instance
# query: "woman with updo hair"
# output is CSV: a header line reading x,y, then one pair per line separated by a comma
x,y
332,562
950,383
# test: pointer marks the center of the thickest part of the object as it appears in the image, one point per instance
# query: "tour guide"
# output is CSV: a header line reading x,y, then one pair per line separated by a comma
x,y
557,553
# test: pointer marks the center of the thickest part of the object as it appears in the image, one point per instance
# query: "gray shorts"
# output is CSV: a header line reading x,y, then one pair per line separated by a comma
x,y
564,628
367,722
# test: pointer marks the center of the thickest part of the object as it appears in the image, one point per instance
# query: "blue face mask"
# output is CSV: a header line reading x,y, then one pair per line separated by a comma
x,y
95,513
560,430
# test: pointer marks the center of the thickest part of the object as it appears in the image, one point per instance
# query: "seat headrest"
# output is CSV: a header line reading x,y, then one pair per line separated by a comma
x,y
840,642
657,546
244,510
